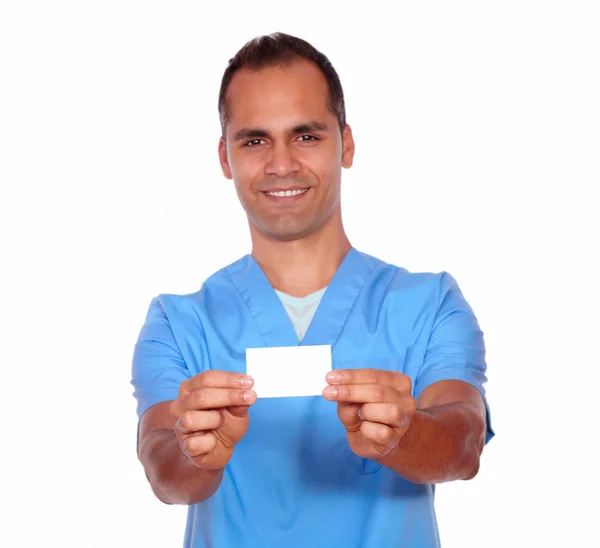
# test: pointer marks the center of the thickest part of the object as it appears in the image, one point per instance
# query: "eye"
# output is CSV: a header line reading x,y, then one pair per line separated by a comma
x,y
254,142
307,138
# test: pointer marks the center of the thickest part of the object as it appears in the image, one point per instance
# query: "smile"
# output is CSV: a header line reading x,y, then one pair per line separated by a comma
x,y
286,193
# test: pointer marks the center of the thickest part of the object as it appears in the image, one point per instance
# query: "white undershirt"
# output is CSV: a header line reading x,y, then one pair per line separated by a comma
x,y
301,309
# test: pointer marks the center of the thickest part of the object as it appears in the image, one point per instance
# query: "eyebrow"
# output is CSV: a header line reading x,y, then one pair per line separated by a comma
x,y
255,133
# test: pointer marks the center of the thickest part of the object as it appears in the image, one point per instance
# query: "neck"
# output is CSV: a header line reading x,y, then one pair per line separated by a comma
x,y
300,267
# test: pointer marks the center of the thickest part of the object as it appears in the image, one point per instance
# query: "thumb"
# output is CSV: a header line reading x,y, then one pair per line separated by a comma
x,y
348,415
235,424
240,411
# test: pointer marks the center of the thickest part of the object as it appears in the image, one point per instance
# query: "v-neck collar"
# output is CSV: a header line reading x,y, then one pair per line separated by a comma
x,y
269,312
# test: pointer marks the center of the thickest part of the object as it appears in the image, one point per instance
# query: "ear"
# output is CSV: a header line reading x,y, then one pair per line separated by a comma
x,y
223,159
348,147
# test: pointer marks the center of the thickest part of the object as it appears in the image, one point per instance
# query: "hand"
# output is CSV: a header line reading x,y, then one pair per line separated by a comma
x,y
211,416
375,407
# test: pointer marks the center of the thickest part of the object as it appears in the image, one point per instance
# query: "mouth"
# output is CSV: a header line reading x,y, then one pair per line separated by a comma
x,y
287,197
286,193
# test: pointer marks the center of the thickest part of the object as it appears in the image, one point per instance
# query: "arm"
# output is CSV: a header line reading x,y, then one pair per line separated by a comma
x,y
186,443
158,374
445,437
172,476
447,432
438,434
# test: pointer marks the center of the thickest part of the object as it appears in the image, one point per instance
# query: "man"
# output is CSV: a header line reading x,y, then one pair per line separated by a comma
x,y
404,407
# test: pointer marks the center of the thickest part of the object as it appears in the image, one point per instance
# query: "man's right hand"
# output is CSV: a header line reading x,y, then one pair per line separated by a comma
x,y
211,416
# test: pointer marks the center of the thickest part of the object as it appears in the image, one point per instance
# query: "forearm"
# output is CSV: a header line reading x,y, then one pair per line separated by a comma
x,y
442,444
173,477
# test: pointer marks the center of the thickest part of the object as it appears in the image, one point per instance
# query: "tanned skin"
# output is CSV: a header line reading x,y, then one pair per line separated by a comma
x,y
281,135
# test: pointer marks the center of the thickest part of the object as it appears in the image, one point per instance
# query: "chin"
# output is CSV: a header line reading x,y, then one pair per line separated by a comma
x,y
286,233
287,236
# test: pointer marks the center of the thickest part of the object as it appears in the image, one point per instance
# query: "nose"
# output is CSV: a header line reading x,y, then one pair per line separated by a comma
x,y
281,162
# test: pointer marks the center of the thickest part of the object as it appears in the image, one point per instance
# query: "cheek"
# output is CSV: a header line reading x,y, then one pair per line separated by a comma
x,y
329,174
327,166
245,170
319,166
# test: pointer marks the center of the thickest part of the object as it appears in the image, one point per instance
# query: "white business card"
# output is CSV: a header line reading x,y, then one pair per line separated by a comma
x,y
288,371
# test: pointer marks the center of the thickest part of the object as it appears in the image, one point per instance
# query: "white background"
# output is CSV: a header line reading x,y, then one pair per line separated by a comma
x,y
477,133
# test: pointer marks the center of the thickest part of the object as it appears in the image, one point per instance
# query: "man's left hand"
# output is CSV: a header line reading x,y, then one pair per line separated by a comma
x,y
375,407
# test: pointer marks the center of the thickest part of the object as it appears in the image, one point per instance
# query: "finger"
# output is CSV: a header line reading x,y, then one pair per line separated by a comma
x,y
393,379
361,393
234,426
213,398
391,414
198,421
240,411
215,379
379,434
199,444
348,415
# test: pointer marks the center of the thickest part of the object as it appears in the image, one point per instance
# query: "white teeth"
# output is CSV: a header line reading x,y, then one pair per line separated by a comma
x,y
286,193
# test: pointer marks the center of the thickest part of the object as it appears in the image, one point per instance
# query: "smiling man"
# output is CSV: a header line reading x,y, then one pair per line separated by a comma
x,y
404,408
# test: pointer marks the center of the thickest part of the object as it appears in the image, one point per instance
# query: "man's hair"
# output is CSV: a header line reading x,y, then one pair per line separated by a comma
x,y
276,49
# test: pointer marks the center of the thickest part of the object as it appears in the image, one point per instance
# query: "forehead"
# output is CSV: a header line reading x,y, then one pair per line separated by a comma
x,y
280,95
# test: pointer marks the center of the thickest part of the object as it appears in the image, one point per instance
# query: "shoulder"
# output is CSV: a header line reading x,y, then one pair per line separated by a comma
x,y
180,304
399,280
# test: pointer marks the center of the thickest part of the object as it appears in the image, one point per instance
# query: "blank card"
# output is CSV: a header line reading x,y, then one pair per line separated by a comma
x,y
288,371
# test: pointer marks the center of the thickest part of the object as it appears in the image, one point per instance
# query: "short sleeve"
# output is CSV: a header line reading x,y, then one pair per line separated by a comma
x,y
456,348
158,367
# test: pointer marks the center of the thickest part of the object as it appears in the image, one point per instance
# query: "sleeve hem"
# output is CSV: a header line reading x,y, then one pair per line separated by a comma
x,y
163,397
457,375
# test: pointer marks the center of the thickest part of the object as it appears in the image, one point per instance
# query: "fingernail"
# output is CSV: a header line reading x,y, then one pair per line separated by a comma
x,y
334,377
360,415
330,391
249,396
247,381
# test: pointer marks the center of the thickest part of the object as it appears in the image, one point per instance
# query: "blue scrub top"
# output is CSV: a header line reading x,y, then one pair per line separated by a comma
x,y
293,480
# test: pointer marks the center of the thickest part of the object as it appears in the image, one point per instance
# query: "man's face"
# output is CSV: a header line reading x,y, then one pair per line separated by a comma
x,y
283,149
